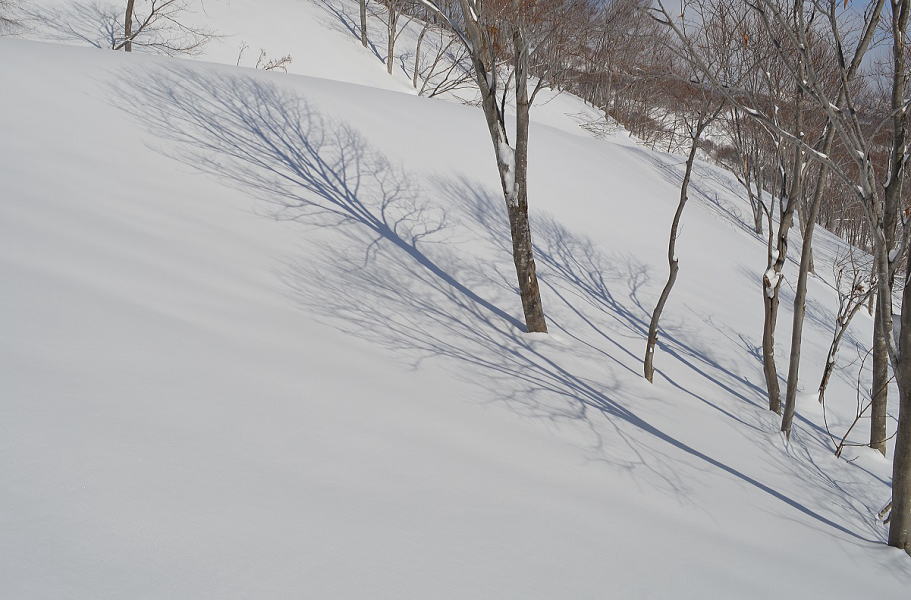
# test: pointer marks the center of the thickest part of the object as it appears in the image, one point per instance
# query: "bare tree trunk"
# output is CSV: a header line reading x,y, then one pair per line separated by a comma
x,y
871,302
758,207
808,223
841,325
830,362
523,254
900,523
363,7
879,394
392,17
512,164
417,55
811,210
771,283
128,27
770,314
891,205
673,266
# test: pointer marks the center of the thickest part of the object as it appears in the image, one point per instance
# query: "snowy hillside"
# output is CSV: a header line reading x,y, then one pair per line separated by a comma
x,y
260,339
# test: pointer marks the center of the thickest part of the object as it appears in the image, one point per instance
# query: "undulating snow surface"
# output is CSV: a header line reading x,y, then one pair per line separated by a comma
x,y
260,340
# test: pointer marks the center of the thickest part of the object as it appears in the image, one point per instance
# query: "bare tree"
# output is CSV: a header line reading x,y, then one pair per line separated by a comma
x,y
888,247
697,106
441,63
158,26
847,76
497,38
397,15
747,164
392,19
695,126
276,63
853,291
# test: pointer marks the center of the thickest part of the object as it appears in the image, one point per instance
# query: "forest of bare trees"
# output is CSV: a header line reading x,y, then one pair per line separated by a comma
x,y
806,103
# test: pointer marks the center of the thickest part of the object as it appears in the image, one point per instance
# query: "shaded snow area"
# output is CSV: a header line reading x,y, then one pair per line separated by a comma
x,y
261,339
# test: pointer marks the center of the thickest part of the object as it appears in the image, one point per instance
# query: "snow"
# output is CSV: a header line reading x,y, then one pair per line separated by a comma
x,y
260,340
770,281
507,156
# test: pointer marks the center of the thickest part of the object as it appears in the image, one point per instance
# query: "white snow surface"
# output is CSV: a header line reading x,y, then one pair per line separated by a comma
x,y
260,339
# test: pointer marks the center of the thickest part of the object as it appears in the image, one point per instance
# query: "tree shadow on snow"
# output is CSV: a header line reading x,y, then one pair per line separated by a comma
x,y
385,274
346,21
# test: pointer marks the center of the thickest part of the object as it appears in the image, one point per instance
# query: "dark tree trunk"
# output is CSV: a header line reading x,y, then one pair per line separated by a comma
x,y
800,310
417,55
672,262
128,27
900,522
363,11
512,165
792,188
770,304
771,298
891,206
757,217
811,210
392,17
879,394
523,254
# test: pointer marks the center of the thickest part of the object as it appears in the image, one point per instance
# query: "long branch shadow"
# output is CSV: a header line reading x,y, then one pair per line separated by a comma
x,y
577,271
403,311
305,167
671,169
345,22
384,279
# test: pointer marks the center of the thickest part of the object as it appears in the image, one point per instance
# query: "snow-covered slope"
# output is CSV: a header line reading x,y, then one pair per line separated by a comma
x,y
260,340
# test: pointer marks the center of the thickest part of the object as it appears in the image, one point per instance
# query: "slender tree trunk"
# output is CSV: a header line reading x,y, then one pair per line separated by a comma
x,y
757,220
673,266
758,208
523,254
512,165
900,522
417,55
871,302
808,223
128,27
770,304
363,11
800,310
800,295
792,189
841,325
891,206
523,257
392,17
771,284
879,394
